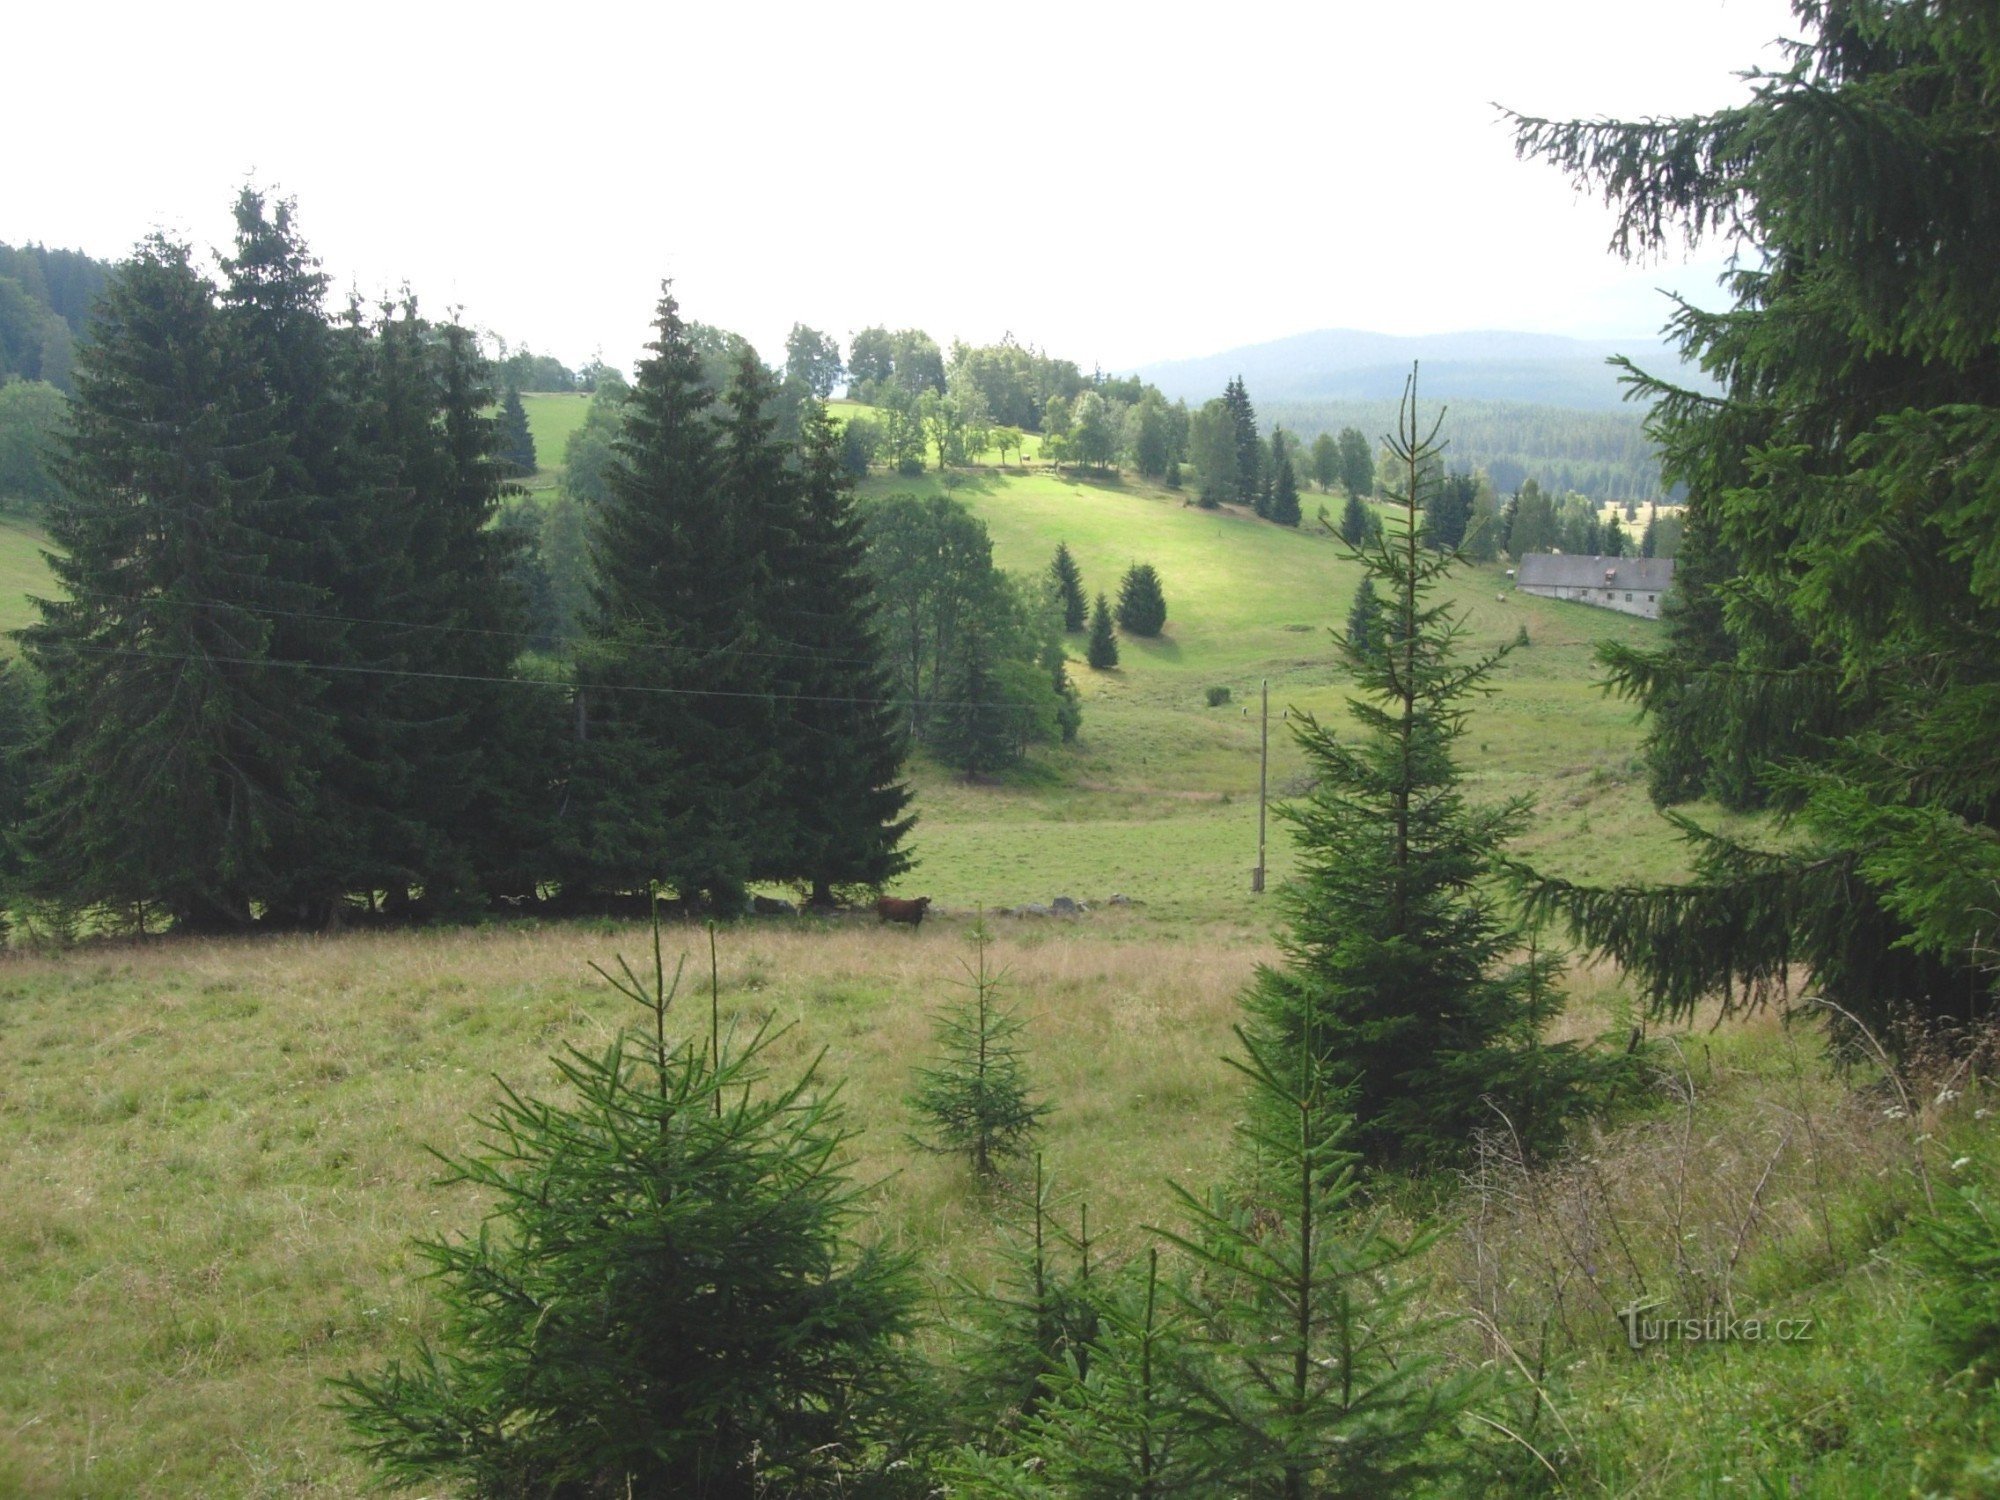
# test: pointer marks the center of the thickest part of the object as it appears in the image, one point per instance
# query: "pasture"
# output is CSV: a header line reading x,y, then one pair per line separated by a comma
x,y
23,573
552,417
214,1154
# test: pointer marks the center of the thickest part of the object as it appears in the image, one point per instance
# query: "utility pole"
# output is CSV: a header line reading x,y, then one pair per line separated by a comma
x,y
1263,785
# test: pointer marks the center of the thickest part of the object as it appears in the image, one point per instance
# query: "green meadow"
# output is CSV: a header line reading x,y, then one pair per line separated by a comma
x,y
552,417
1158,800
23,573
214,1154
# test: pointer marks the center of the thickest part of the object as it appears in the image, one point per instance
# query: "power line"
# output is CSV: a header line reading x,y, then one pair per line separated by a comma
x,y
532,682
797,653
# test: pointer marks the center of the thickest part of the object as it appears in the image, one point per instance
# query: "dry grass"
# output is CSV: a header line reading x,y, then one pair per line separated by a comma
x,y
212,1153
213,1158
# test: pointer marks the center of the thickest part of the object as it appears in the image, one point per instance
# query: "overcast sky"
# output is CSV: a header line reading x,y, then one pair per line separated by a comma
x,y
1117,182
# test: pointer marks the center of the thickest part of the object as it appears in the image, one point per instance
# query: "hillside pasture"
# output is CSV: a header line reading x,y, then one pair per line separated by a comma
x,y
552,417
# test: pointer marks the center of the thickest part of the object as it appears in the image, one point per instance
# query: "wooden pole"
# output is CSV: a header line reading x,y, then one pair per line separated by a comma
x,y
1263,784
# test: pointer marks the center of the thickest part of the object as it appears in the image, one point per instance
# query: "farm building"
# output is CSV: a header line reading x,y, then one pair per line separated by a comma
x,y
1631,585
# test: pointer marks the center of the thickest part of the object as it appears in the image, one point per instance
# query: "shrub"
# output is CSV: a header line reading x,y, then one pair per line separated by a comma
x,y
1217,696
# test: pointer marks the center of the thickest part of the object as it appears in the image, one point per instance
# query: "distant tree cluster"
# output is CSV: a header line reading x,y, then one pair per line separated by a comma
x,y
294,676
976,656
46,298
1535,521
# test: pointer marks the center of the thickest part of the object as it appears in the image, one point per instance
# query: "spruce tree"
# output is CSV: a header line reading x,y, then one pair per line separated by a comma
x,y
1354,521
678,776
1308,1374
664,1298
848,817
976,729
1830,633
1068,579
1285,495
342,537
1111,1424
1398,988
630,674
976,1101
1103,650
1142,603
1249,448
177,753
517,442
1364,618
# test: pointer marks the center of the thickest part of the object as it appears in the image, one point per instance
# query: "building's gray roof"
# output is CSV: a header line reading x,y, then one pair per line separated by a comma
x,y
1555,570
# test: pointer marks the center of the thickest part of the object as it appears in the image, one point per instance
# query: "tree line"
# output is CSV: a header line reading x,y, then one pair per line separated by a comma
x,y
287,681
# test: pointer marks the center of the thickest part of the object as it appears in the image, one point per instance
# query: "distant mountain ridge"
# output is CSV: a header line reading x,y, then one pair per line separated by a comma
x,y
1346,364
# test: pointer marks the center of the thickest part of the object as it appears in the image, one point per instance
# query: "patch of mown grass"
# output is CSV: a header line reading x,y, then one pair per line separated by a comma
x,y
552,417
23,573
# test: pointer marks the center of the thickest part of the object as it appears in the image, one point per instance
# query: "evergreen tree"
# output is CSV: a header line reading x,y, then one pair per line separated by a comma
x,y
1173,480
176,751
517,442
1068,579
1326,461
1357,462
976,1101
977,728
1142,603
1397,987
664,1299
341,541
1307,1375
1284,507
1830,641
1249,447
1354,521
1103,652
848,817
1448,511
677,775
1111,1423
1365,629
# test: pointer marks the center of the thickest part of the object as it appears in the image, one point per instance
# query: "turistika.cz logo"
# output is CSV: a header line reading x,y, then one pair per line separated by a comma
x,y
1641,1330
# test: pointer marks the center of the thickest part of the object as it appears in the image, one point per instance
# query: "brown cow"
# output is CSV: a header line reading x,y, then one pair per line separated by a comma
x,y
894,909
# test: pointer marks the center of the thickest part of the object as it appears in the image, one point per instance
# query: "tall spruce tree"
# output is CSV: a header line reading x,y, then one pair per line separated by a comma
x,y
341,537
1284,508
1249,448
848,817
1353,521
1833,640
517,439
1398,990
177,754
671,605
1102,653
1068,580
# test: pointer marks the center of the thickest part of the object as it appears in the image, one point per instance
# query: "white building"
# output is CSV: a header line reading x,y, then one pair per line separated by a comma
x,y
1630,585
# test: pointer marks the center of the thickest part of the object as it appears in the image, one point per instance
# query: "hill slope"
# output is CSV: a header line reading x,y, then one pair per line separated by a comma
x,y
1349,364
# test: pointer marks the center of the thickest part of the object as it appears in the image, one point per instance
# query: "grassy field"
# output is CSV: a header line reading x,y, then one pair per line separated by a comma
x,y
213,1153
22,573
213,1159
552,417
1158,772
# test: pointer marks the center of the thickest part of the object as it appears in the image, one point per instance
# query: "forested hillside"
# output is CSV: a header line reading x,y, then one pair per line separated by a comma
x,y
45,304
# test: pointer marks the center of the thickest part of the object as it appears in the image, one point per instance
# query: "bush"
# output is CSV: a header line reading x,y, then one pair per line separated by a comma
x,y
1217,696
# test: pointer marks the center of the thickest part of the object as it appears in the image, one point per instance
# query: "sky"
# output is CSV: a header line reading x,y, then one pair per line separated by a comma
x,y
1118,183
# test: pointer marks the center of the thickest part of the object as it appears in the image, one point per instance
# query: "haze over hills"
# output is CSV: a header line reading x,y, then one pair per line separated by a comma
x,y
1345,364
